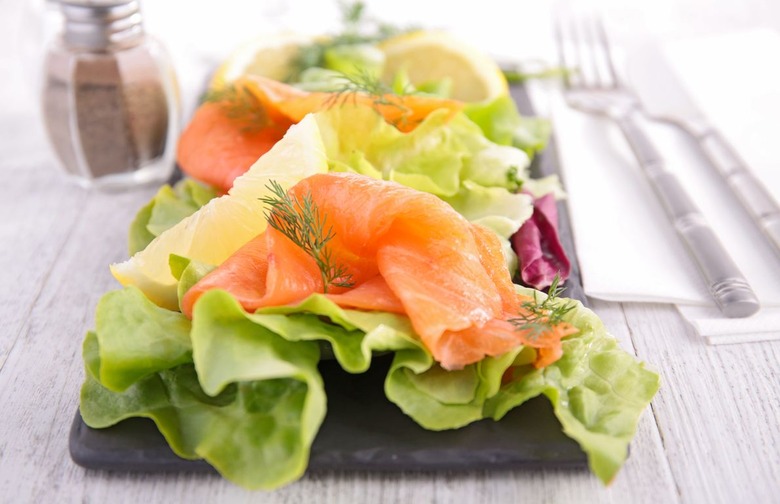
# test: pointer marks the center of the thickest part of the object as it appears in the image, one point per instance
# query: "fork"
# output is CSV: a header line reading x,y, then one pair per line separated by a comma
x,y
594,88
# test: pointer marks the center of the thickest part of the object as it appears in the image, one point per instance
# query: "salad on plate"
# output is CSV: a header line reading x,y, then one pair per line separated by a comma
x,y
363,208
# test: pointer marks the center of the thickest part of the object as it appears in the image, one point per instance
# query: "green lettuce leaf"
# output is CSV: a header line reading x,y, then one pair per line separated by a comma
x,y
135,338
598,392
169,206
188,273
501,122
438,399
172,398
245,399
139,235
493,207
265,440
429,158
243,392
352,337
434,398
438,156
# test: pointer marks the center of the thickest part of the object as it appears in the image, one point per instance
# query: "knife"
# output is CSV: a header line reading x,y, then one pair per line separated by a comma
x,y
664,98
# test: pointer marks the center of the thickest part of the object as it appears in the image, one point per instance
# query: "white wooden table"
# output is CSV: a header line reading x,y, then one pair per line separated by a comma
x,y
712,433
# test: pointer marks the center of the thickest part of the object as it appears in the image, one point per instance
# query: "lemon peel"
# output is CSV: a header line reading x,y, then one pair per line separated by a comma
x,y
436,55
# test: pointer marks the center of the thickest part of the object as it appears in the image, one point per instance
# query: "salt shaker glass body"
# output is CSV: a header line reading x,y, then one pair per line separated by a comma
x,y
110,98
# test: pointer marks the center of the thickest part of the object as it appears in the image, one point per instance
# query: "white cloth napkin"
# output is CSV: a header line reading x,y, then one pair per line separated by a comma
x,y
626,247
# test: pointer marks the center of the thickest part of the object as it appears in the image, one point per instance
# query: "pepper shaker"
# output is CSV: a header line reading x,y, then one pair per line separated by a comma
x,y
110,97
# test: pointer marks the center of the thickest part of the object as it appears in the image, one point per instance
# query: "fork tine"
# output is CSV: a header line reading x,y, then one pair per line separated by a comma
x,y
588,28
559,45
584,58
578,50
603,42
595,67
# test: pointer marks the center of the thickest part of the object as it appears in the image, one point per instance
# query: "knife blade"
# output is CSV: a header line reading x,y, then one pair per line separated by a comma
x,y
664,98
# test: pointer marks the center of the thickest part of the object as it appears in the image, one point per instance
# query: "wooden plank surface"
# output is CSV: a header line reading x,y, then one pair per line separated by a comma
x,y
37,222
718,410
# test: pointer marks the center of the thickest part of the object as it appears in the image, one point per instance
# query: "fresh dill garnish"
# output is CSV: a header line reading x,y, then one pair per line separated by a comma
x,y
241,105
380,94
539,318
364,82
352,13
300,220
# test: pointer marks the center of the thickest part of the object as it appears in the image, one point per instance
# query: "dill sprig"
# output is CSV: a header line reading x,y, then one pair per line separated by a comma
x,y
381,95
352,13
539,318
241,105
364,82
300,220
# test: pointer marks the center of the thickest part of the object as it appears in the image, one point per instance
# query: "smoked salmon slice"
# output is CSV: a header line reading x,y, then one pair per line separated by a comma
x,y
221,142
406,252
405,112
216,148
373,294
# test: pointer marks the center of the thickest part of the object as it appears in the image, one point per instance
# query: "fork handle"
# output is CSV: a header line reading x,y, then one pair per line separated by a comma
x,y
725,281
753,195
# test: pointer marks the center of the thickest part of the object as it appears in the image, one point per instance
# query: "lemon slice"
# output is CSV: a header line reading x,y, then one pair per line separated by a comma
x,y
226,223
267,56
435,55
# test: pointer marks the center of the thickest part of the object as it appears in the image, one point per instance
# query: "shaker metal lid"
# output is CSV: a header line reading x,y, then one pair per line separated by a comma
x,y
98,24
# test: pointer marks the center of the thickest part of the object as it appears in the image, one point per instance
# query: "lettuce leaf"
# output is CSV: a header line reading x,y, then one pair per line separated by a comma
x,y
493,207
350,336
598,391
540,254
136,338
243,392
187,272
165,209
139,236
501,122
438,399
429,158
438,156
265,439
248,401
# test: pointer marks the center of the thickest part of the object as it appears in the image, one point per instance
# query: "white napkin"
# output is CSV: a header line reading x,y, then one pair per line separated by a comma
x,y
626,247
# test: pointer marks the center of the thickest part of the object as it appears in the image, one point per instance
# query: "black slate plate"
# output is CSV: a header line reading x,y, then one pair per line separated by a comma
x,y
362,429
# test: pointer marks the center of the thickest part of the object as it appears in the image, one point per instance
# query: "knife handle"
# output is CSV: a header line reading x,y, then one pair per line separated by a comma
x,y
751,192
725,281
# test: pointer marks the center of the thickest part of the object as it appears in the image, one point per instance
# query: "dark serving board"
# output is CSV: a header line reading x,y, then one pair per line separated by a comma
x,y
362,429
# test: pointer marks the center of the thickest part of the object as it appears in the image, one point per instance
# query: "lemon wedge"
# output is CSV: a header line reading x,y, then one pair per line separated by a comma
x,y
226,223
435,55
267,56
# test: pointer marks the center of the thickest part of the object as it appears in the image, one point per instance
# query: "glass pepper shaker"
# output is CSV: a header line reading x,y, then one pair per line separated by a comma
x,y
110,97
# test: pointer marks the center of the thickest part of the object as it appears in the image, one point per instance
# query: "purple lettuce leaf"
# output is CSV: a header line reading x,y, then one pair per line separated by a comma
x,y
537,245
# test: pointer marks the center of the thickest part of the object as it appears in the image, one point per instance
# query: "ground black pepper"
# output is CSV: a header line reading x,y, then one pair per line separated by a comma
x,y
109,99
